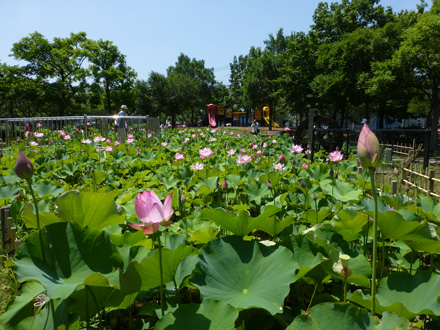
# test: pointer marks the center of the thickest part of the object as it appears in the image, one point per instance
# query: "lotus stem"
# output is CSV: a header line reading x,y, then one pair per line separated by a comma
x,y
162,298
35,203
374,258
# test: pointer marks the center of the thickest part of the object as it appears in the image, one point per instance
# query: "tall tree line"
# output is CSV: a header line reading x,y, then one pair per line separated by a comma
x,y
359,59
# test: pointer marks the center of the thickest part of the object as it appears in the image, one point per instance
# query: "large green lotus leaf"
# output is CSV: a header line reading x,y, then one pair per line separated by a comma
x,y
308,255
145,275
351,223
345,317
245,274
241,224
315,217
256,191
45,188
46,218
418,236
431,207
20,306
205,185
185,268
9,192
97,299
203,237
405,295
62,256
209,315
131,246
319,172
342,191
274,226
93,209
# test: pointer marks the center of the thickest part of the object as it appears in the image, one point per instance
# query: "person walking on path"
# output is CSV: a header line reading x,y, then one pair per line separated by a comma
x,y
121,123
255,129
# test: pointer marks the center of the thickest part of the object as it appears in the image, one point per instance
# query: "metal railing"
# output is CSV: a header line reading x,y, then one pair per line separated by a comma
x,y
13,128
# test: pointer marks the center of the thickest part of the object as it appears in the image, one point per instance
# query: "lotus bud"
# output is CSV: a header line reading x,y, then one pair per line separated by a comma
x,y
336,176
314,197
396,171
182,148
224,185
406,187
23,166
19,197
224,145
293,161
332,172
303,184
368,148
182,198
1,154
269,184
282,159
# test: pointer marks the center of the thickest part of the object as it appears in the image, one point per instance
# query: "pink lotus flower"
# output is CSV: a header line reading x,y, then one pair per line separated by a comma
x,y
238,135
243,159
307,152
213,139
27,133
231,152
38,134
129,136
61,133
39,125
259,153
296,149
109,149
67,137
197,166
151,212
396,171
368,148
242,150
86,141
287,129
164,144
117,143
304,166
335,156
130,141
33,143
278,167
186,140
149,135
274,141
178,156
205,153
193,135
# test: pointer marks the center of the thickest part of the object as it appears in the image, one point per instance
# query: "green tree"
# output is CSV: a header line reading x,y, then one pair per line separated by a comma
x,y
109,70
60,64
419,59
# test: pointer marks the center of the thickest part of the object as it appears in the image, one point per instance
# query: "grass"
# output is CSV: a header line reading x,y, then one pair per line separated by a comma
x,y
8,284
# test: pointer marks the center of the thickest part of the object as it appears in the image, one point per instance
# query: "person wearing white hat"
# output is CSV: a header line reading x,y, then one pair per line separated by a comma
x,y
121,123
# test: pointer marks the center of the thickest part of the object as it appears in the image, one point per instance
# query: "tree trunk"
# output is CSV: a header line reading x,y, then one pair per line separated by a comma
x,y
435,115
381,115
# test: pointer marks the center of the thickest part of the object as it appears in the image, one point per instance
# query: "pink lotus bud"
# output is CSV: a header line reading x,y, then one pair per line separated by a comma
x,y
282,159
224,185
368,148
23,166
396,171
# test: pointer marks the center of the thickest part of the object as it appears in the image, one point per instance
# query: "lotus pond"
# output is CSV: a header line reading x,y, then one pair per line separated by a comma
x,y
207,229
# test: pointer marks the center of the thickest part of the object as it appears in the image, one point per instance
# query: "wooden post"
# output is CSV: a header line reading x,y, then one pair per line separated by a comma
x,y
8,233
431,182
394,187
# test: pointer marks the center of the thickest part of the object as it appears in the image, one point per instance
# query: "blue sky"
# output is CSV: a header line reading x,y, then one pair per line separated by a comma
x,y
152,34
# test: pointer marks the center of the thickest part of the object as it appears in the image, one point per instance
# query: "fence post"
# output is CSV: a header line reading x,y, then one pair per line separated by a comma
x,y
431,182
85,126
394,187
8,233
8,138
